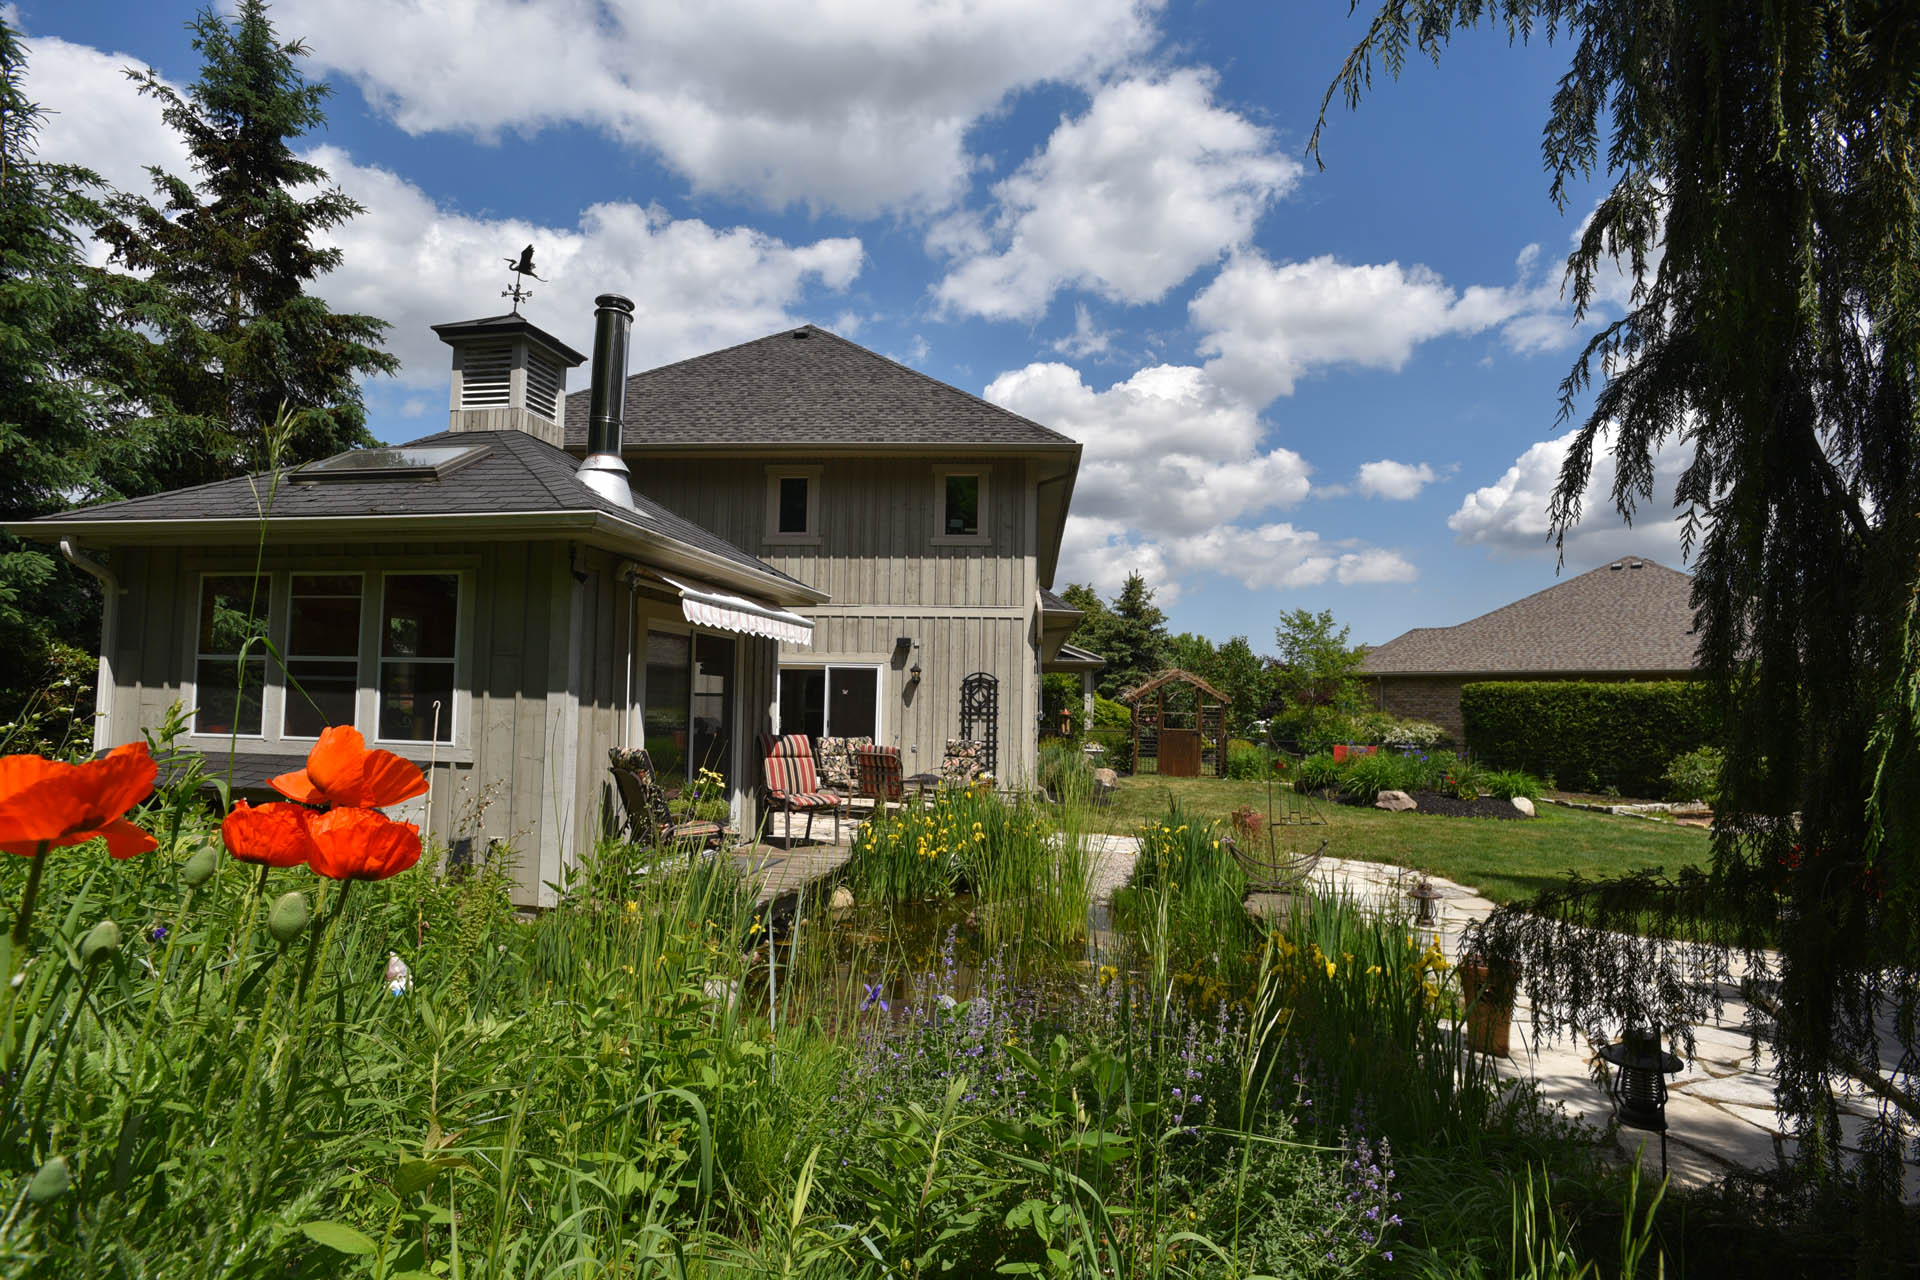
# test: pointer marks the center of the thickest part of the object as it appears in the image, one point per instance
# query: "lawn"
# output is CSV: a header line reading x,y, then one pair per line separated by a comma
x,y
1504,861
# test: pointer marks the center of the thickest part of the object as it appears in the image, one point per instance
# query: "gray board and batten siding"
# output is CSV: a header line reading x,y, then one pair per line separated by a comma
x,y
541,680
969,605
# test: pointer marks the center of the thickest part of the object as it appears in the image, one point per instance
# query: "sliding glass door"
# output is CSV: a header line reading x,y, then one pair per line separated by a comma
x,y
831,701
689,704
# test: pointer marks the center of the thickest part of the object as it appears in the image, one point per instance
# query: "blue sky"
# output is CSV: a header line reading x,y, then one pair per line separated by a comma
x,y
1296,388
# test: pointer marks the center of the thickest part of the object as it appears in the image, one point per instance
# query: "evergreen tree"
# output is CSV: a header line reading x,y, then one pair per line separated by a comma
x,y
232,335
1241,674
57,383
1765,169
1136,640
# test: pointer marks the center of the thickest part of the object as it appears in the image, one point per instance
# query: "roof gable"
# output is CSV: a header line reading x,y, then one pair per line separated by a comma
x,y
1631,615
805,386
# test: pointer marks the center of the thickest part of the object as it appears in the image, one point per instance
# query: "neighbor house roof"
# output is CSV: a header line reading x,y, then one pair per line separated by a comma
x,y
519,482
1631,615
805,386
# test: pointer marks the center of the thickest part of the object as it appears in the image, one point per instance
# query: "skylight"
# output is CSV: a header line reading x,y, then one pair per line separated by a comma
x,y
411,462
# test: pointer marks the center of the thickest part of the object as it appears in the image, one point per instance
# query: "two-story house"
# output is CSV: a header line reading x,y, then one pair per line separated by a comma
x,y
929,518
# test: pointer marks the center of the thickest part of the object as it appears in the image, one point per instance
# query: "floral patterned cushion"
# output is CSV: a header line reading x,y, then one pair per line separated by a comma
x,y
961,764
838,767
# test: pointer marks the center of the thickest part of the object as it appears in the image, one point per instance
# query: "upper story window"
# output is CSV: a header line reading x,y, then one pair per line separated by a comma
x,y
960,504
227,690
323,652
793,504
419,634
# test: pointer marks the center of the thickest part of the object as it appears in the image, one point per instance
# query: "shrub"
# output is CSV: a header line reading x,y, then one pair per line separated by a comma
x,y
1508,783
1594,734
1316,773
1695,775
1247,762
1411,735
1367,776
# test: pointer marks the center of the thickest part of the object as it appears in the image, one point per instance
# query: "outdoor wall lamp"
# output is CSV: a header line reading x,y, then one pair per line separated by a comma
x,y
913,675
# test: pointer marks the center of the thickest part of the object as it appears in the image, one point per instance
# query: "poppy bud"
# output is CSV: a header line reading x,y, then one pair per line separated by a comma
x,y
102,940
199,868
289,917
53,1180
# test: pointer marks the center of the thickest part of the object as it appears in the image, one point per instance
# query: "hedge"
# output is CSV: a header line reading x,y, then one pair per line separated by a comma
x,y
1588,735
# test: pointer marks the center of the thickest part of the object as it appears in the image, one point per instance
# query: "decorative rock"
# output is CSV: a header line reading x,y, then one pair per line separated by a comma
x,y
1395,801
1524,805
842,900
1106,778
720,990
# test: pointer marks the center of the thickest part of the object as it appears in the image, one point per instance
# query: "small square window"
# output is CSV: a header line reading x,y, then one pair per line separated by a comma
x,y
793,504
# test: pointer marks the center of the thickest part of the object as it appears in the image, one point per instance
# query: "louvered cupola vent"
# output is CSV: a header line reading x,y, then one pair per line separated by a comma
x,y
546,380
508,375
486,376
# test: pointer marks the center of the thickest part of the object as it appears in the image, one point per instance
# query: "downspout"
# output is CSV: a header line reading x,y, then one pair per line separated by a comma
x,y
632,579
109,617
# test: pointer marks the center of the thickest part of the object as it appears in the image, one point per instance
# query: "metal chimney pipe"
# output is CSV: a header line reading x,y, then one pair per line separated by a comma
x,y
603,470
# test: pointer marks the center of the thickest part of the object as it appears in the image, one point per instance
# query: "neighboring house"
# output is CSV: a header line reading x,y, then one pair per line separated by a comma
x,y
1628,620
930,517
489,605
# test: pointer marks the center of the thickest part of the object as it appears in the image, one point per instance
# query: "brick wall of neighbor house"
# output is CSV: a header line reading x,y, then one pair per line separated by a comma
x,y
1437,698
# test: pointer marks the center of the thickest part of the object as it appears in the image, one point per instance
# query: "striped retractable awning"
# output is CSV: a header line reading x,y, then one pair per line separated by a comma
x,y
705,605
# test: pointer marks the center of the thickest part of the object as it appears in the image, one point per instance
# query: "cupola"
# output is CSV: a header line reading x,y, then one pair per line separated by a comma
x,y
508,375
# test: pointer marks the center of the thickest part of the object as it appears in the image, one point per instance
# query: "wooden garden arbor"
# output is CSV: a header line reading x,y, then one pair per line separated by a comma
x,y
1179,726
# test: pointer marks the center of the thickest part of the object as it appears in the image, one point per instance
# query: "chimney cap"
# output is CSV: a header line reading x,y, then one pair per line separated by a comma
x,y
614,302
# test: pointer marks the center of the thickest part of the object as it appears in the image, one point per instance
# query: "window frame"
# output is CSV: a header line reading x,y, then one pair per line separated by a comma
x,y
980,536
190,686
826,667
284,637
367,704
810,536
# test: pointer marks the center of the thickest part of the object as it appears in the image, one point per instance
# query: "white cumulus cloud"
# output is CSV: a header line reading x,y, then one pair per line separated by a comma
x,y
1151,184
824,103
1394,481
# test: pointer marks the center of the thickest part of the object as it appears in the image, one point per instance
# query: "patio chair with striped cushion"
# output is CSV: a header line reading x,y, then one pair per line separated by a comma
x,y
793,785
878,769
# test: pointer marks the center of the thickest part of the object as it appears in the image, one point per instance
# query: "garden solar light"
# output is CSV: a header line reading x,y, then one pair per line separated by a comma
x,y
1424,895
1638,1085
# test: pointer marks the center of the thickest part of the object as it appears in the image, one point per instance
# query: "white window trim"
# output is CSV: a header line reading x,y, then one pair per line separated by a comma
x,y
368,704
941,538
283,633
879,670
190,687
811,535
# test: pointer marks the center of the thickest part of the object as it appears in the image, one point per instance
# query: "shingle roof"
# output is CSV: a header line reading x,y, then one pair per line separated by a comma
x,y
519,473
1051,603
804,386
1629,616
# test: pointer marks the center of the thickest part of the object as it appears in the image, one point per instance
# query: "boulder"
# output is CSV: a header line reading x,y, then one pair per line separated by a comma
x,y
1106,778
842,900
1524,805
1397,801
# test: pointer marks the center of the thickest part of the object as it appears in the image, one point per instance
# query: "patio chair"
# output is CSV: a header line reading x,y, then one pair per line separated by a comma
x,y
1280,871
877,770
650,818
792,785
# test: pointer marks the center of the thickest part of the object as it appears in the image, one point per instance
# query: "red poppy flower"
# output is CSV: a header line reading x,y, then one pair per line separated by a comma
x,y
273,835
45,802
341,771
359,844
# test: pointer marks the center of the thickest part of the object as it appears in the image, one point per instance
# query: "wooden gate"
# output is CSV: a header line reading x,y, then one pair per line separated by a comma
x,y
1180,753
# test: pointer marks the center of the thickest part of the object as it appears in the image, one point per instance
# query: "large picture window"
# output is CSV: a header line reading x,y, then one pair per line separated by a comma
x,y
419,631
831,701
323,652
233,610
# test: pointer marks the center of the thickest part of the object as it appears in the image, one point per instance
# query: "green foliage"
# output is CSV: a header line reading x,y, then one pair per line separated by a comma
x,y
1248,762
1316,773
1317,667
1695,775
1131,633
1064,771
1789,379
1589,735
228,334
60,381
1508,783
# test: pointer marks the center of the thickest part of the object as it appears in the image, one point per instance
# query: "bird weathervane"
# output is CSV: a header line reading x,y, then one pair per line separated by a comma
x,y
521,266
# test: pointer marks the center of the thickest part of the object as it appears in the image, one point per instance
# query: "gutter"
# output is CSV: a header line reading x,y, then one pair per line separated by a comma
x,y
597,528
109,620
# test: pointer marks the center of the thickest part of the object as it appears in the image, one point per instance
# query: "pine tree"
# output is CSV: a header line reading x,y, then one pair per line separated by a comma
x,y
1765,169
227,258
1136,640
57,382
